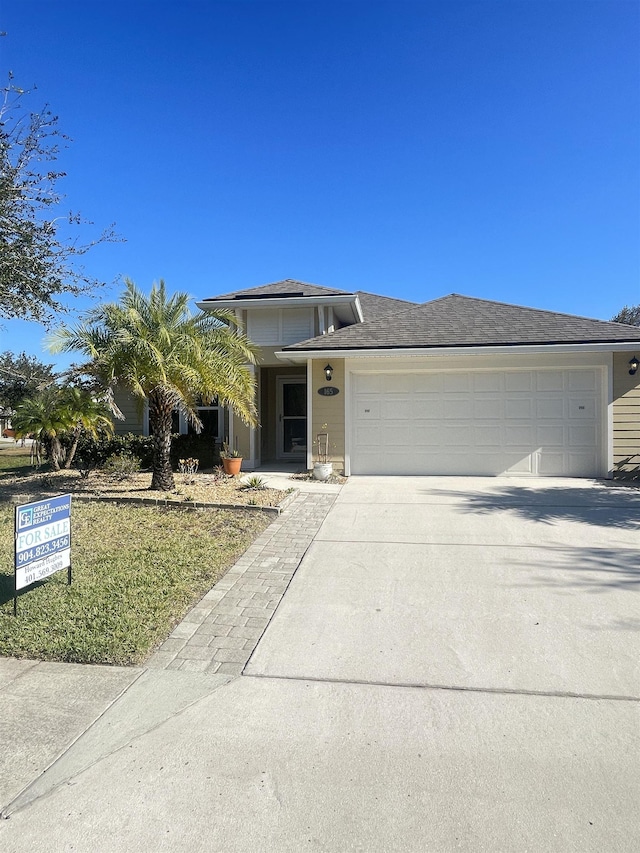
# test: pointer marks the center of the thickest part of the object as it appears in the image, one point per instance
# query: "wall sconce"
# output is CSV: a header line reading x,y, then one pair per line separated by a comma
x,y
328,372
633,365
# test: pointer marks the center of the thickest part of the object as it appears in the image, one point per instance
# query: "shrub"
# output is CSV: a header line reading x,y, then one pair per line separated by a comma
x,y
254,483
96,452
201,447
121,466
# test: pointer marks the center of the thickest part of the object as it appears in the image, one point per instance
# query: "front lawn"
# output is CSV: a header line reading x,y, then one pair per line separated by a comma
x,y
136,572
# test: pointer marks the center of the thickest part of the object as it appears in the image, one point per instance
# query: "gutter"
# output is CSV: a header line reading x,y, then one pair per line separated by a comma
x,y
300,356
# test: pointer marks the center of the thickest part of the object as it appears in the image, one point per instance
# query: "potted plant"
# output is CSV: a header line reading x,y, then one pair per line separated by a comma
x,y
231,459
322,468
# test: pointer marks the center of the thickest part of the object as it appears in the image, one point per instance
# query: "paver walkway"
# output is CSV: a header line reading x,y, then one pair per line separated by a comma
x,y
219,634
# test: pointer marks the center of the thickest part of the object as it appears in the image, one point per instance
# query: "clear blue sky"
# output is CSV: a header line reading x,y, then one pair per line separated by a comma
x,y
410,149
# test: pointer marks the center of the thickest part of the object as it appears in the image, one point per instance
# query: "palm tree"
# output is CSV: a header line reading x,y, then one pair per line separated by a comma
x,y
86,415
155,348
42,417
55,413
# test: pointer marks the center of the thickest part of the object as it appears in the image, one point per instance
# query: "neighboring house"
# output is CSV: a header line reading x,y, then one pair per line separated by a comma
x,y
456,385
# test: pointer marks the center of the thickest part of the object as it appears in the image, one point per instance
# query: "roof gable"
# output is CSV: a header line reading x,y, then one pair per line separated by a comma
x,y
463,321
288,287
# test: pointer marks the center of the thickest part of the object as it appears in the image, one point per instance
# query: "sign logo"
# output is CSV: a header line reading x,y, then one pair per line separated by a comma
x,y
328,391
25,518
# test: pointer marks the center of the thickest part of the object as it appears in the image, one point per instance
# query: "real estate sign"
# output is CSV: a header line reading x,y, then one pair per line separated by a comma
x,y
43,539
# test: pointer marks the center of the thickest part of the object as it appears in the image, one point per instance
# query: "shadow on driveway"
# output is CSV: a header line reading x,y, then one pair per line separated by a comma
x,y
603,505
590,570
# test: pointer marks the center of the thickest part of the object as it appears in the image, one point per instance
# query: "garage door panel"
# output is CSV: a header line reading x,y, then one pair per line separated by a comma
x,y
581,380
581,407
396,407
456,382
488,436
520,381
550,380
582,436
519,408
552,408
552,465
517,463
543,422
367,410
424,407
519,436
548,436
370,383
398,383
488,408
456,409
483,382
581,464
428,383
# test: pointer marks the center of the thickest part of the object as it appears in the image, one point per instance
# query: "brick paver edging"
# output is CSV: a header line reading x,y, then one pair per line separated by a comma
x,y
169,504
222,630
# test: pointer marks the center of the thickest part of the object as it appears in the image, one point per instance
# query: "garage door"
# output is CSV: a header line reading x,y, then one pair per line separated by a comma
x,y
521,422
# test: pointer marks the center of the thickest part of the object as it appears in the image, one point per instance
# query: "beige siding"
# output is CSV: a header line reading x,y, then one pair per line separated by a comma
x,y
626,416
132,412
329,410
241,437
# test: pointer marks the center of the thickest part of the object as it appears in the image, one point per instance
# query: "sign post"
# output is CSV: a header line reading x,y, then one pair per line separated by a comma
x,y
42,542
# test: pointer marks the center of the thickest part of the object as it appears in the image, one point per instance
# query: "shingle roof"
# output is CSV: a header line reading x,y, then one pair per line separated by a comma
x,y
374,306
284,288
463,321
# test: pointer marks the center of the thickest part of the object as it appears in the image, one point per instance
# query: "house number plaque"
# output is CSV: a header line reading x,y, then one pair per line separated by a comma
x,y
328,391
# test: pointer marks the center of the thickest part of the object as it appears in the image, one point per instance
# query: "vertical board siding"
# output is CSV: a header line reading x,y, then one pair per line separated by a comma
x,y
626,417
329,410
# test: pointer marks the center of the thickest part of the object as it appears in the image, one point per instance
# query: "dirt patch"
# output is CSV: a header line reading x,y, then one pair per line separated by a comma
x,y
189,488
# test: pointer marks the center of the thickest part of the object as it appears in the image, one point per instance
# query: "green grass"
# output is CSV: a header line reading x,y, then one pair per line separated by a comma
x,y
14,460
136,572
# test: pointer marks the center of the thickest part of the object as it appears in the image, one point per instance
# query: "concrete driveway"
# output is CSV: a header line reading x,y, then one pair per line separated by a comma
x,y
454,666
468,583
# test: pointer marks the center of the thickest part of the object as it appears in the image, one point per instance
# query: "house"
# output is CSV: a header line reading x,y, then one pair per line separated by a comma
x,y
456,385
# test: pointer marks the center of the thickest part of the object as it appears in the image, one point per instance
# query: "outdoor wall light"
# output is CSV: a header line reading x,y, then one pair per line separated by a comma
x,y
328,372
633,365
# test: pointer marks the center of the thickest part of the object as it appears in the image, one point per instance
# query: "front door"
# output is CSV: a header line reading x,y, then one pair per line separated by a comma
x,y
292,418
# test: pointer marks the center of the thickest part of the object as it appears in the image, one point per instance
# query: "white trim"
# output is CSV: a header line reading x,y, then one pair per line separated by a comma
x,y
322,326
285,302
347,422
608,416
230,436
309,415
431,352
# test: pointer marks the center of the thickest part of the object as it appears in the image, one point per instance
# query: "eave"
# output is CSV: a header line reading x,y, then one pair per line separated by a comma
x,y
302,356
347,300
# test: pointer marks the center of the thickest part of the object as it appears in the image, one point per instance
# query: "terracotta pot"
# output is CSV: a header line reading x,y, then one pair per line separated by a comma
x,y
232,466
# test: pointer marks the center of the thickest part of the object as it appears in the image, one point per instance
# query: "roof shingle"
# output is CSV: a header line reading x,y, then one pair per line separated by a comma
x,y
463,321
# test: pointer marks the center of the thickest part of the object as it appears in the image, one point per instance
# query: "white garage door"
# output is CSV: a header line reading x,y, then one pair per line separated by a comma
x,y
537,422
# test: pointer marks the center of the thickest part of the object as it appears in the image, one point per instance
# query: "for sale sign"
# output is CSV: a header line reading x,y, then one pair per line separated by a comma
x,y
43,539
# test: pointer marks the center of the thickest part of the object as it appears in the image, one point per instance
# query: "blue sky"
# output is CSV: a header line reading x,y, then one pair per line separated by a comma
x,y
409,149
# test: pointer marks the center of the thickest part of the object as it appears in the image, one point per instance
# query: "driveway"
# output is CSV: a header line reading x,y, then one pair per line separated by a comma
x,y
453,667
468,583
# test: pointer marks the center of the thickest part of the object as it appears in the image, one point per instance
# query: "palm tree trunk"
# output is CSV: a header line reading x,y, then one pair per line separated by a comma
x,y
72,449
53,449
160,416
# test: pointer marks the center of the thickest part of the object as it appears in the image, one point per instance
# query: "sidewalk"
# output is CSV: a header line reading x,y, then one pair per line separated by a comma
x,y
46,708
